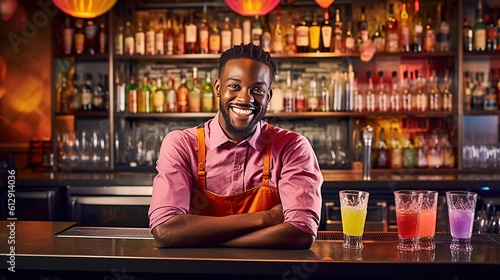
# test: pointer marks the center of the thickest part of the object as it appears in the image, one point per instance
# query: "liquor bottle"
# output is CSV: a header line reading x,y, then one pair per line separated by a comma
x,y
203,31
313,100
369,95
421,146
405,29
98,102
467,92
237,33
363,26
256,31
119,37
498,34
326,32
121,93
129,41
490,98
158,97
381,150
409,156
214,38
289,100
62,91
150,39
171,96
276,102
422,91
131,91
434,154
358,96
180,37
478,93
418,29
391,32
314,35
491,33
160,37
169,38
324,102
300,98
79,36
191,32
468,36
443,31
479,29
207,99
140,39
195,93
182,95
382,103
86,94
406,93
378,39
302,35
350,42
143,102
225,35
394,99
277,38
103,36
429,36
290,46
91,37
357,146
265,39
337,38
247,31
446,95
68,36
395,152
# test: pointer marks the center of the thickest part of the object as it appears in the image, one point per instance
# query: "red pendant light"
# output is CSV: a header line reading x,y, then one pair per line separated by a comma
x,y
84,8
324,3
252,7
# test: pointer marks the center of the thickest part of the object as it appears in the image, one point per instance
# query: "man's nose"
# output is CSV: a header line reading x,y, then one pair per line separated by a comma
x,y
245,96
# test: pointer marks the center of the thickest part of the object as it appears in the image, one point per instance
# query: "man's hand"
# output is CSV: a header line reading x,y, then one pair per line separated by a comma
x,y
275,215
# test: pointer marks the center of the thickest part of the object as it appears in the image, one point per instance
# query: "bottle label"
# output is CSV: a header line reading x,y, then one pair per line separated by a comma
x,y
326,33
190,33
129,45
79,41
480,39
237,37
68,40
256,36
314,37
119,44
302,38
150,42
278,43
158,100
266,41
392,42
140,41
214,43
204,40
225,40
159,43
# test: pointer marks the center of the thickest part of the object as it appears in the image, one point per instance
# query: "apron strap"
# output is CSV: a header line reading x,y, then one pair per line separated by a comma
x,y
267,155
201,157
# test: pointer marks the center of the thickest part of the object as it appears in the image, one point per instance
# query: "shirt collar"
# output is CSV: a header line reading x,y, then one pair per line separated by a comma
x,y
216,136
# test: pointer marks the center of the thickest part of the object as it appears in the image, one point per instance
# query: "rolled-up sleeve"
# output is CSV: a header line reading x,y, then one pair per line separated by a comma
x,y
173,183
300,183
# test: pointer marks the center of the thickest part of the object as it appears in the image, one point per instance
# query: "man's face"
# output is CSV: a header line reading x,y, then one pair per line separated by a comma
x,y
244,88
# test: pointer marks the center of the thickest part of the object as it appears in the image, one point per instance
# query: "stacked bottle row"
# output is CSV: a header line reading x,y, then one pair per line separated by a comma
x,y
484,35
310,30
79,36
480,92
342,92
86,94
159,95
407,150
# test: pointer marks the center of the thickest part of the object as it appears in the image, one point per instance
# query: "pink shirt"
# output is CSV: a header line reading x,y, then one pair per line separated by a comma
x,y
233,167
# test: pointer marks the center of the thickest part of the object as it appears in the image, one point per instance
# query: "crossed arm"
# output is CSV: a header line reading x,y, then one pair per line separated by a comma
x,y
264,229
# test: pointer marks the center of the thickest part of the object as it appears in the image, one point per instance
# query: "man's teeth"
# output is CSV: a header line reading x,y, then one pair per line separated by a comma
x,y
242,111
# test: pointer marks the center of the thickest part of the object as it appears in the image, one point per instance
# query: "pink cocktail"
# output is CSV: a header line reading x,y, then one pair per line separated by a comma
x,y
461,208
461,222
427,223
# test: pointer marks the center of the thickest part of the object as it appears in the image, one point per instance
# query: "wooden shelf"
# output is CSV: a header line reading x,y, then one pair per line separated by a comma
x,y
482,113
98,57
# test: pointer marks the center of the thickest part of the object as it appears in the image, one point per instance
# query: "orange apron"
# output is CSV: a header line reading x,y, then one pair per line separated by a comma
x,y
207,203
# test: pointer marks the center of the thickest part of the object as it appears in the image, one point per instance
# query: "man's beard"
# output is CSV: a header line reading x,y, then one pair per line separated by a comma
x,y
248,130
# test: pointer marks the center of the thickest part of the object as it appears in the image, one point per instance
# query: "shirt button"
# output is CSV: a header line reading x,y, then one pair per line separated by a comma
x,y
237,167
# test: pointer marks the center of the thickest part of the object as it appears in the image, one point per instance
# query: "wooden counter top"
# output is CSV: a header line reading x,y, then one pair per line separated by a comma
x,y
39,252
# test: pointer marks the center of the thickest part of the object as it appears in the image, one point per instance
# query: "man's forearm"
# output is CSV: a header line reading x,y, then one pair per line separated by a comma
x,y
189,230
281,236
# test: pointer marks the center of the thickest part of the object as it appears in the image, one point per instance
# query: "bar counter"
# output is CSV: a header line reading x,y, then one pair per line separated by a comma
x,y
49,249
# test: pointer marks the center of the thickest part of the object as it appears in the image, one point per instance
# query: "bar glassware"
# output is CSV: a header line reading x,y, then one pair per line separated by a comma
x,y
427,222
461,208
408,204
353,208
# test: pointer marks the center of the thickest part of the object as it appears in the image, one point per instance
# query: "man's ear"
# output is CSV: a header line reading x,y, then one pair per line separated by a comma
x,y
270,93
216,87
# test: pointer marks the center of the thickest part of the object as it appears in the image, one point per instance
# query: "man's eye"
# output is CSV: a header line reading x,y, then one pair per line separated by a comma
x,y
234,86
259,91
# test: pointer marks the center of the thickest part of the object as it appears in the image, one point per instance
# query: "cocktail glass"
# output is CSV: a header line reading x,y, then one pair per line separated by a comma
x,y
353,209
461,208
408,204
427,222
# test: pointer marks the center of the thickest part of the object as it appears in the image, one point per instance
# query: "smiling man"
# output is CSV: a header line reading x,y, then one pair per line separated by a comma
x,y
237,180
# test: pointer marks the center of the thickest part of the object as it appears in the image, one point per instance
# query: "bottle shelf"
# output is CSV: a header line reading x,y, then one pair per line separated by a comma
x,y
98,57
485,53
86,115
482,113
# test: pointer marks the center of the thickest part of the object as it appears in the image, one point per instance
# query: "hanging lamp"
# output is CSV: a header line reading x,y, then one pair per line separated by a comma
x,y
324,3
252,7
84,8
